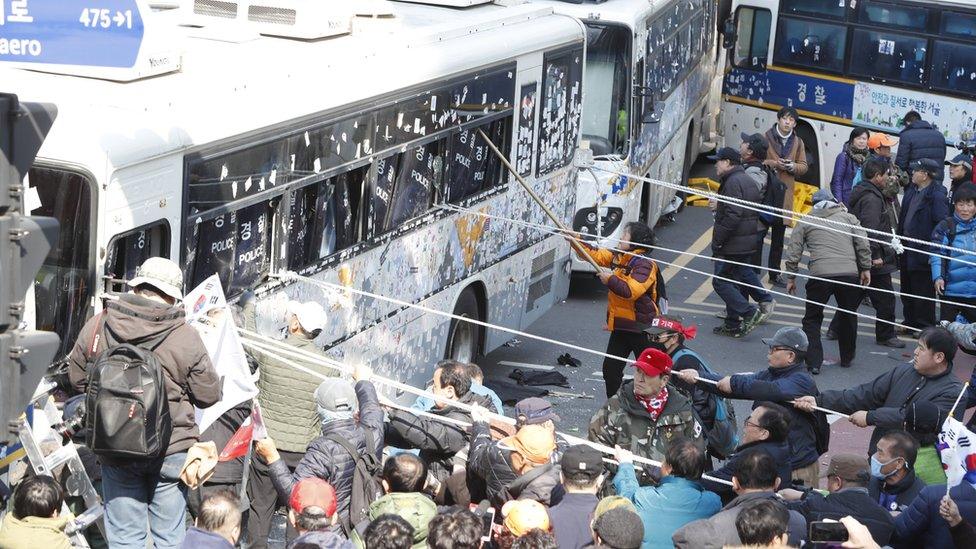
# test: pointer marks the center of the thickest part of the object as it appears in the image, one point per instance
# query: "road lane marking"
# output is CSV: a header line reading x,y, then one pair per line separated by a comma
x,y
696,248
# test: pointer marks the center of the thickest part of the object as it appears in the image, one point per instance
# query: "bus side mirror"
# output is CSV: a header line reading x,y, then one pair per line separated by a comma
x,y
728,34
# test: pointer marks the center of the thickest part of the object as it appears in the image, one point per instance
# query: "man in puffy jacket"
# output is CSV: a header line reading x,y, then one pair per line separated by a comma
x,y
784,380
677,500
404,479
920,139
338,404
955,279
873,210
521,466
645,416
883,401
924,206
736,237
842,259
146,492
921,526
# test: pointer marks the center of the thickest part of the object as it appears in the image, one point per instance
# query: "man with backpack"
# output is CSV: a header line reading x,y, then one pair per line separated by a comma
x,y
715,414
772,190
347,454
141,426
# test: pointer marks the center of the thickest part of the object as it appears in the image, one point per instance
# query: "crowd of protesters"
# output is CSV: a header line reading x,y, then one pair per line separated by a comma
x,y
447,473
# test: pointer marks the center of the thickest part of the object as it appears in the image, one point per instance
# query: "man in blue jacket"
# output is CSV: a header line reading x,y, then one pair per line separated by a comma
x,y
676,501
921,526
955,279
924,206
785,379
920,139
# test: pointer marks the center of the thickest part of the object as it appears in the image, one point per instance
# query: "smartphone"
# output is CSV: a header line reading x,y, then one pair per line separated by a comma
x,y
487,520
828,531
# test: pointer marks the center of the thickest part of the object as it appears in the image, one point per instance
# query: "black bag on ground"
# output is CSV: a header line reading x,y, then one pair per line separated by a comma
x,y
127,412
365,488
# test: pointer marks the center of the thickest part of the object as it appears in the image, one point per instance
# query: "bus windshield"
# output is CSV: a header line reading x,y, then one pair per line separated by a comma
x,y
606,97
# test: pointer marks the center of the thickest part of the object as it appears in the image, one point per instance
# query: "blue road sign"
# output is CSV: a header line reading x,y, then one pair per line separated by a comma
x,y
94,33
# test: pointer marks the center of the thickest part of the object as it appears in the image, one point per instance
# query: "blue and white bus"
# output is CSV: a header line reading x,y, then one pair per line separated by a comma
x,y
845,63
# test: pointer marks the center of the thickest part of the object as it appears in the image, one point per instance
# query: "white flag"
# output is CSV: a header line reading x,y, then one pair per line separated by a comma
x,y
206,310
957,448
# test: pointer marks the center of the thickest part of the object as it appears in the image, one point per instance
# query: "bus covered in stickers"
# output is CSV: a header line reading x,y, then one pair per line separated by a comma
x,y
334,158
648,107
844,63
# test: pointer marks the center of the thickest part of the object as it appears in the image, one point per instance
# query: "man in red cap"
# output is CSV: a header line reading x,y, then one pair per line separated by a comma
x,y
644,416
312,511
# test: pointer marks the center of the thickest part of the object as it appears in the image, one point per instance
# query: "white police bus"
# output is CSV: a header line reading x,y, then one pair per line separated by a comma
x,y
650,69
265,154
846,63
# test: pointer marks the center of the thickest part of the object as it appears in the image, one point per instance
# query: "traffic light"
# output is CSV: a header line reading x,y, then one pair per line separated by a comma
x,y
24,243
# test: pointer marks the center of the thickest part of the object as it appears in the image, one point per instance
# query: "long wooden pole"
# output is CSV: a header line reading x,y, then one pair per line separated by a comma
x,y
580,249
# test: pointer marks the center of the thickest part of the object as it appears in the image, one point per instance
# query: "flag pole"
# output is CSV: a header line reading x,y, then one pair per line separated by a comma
x,y
953,409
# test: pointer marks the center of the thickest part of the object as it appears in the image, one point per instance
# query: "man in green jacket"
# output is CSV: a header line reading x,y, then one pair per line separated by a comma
x,y
287,398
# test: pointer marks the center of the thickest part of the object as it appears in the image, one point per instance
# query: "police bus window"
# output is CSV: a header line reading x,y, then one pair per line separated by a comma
x,y
817,45
954,67
888,56
413,191
128,250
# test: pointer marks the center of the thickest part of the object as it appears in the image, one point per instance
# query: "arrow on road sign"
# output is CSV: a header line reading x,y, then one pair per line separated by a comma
x,y
92,33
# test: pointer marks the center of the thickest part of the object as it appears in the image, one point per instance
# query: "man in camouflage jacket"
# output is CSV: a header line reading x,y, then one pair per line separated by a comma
x,y
646,416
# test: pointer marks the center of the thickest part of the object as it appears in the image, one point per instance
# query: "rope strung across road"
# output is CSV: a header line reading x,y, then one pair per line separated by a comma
x,y
802,218
274,349
581,235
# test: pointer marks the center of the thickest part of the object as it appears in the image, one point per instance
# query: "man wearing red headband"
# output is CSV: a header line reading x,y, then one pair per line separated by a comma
x,y
645,417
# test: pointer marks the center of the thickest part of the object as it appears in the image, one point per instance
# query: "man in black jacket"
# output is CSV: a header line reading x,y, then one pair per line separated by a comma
x,y
872,209
883,401
439,442
919,139
847,481
736,237
893,481
326,457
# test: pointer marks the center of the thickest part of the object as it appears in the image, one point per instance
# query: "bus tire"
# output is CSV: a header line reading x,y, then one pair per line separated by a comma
x,y
464,338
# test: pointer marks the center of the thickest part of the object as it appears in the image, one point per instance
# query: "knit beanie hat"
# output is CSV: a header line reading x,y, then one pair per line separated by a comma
x,y
620,528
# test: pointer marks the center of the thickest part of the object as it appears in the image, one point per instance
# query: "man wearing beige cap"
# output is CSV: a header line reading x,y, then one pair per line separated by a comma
x,y
847,477
287,398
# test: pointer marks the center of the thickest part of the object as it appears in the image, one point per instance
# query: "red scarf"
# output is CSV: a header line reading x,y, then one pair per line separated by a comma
x,y
654,405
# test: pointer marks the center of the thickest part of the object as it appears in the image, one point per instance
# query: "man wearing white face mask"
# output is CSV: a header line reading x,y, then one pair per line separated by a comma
x,y
893,482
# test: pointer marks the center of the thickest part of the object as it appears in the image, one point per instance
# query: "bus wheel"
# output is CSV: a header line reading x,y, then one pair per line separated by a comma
x,y
464,338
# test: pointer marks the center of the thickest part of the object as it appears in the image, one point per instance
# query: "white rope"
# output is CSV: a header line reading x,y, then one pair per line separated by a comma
x,y
274,349
452,207
802,218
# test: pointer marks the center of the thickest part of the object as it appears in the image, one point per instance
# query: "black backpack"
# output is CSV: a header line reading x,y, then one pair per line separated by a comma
x,y
127,412
773,197
365,488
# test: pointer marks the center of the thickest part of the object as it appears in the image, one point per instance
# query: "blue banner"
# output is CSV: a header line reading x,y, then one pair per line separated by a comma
x,y
810,93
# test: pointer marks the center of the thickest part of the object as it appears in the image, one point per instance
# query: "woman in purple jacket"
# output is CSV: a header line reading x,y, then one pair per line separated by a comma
x,y
849,160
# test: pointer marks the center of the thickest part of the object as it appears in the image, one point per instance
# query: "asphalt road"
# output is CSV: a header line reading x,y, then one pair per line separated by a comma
x,y
579,320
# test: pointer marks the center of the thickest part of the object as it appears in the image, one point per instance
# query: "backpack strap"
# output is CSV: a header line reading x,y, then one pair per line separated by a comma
x,y
352,451
96,337
950,236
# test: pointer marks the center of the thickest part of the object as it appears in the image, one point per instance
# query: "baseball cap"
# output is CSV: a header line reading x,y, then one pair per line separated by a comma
x,y
162,274
727,153
620,528
929,165
879,139
823,194
582,460
534,410
522,515
794,338
310,314
336,398
654,362
756,142
961,159
849,467
313,492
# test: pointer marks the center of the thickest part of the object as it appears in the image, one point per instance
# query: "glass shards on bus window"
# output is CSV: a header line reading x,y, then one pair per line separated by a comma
x,y
888,15
62,287
467,165
958,24
817,8
413,192
752,38
954,67
217,181
129,250
234,246
559,119
888,56
606,97
811,44
324,218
